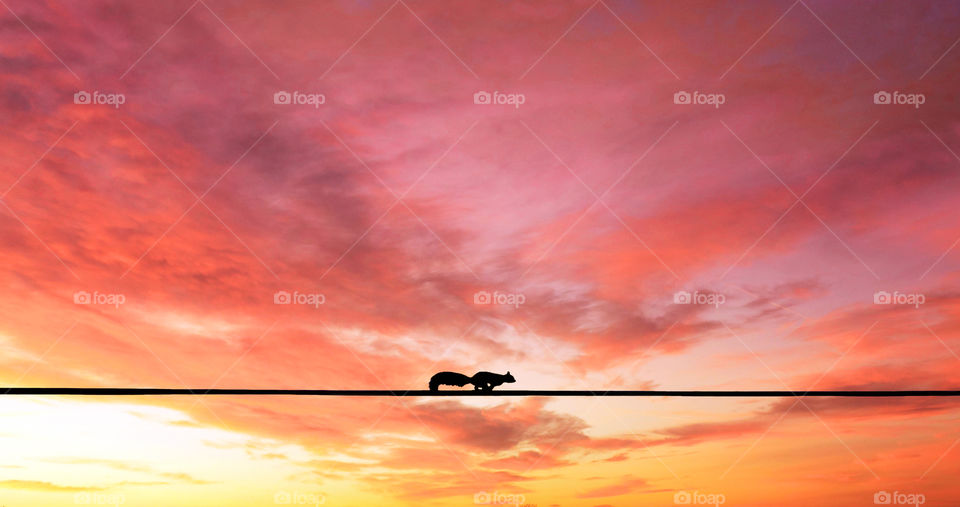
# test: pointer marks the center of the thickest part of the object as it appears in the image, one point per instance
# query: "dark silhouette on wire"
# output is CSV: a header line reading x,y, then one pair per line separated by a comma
x,y
483,383
482,380
486,381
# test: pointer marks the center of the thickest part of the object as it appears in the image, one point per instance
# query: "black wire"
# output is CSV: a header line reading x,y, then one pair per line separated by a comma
x,y
149,391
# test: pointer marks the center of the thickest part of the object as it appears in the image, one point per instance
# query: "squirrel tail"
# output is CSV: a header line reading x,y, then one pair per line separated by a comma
x,y
434,385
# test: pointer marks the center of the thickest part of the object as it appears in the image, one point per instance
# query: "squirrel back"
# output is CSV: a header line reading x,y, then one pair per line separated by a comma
x,y
485,380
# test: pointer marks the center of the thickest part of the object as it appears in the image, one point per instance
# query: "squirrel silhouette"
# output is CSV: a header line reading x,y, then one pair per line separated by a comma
x,y
486,381
482,380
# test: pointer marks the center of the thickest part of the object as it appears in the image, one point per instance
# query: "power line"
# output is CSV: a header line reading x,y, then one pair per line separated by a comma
x,y
150,391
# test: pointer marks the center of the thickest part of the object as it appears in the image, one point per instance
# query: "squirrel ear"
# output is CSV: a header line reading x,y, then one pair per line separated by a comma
x,y
508,372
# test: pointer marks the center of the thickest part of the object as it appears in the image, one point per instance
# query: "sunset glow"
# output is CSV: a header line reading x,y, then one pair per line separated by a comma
x,y
591,195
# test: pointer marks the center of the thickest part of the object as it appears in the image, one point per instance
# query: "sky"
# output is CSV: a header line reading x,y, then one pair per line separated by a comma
x,y
589,194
